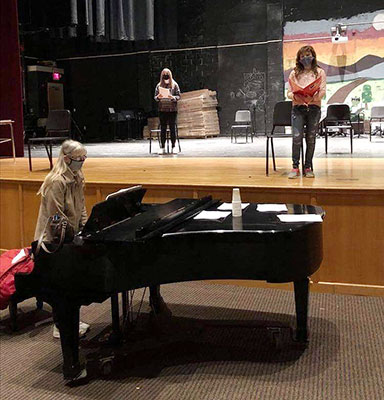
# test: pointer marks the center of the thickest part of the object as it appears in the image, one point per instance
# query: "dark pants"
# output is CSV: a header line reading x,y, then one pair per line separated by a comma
x,y
168,118
308,117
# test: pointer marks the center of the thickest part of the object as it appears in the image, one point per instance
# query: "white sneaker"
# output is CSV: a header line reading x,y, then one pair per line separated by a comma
x,y
56,332
162,151
83,329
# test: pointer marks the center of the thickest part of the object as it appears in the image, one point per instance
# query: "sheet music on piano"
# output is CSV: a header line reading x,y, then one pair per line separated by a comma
x,y
300,218
121,191
272,207
212,215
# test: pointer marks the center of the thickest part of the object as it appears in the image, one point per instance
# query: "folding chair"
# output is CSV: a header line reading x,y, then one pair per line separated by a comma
x,y
9,122
377,115
242,121
168,133
338,118
281,117
58,129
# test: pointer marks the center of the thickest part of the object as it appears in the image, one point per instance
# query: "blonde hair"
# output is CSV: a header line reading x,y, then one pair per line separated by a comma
x,y
169,72
68,148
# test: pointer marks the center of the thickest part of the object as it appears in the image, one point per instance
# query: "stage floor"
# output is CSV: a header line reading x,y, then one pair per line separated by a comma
x,y
331,173
338,147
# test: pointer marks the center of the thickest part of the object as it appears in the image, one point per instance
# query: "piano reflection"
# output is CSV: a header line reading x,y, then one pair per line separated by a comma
x,y
127,244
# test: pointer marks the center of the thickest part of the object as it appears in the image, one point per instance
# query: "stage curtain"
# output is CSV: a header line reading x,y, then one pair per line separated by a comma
x,y
11,106
106,20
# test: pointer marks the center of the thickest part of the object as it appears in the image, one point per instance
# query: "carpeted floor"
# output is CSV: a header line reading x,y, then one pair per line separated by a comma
x,y
215,347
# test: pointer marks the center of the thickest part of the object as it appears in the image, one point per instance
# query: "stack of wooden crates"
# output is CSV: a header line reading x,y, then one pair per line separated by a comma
x,y
197,115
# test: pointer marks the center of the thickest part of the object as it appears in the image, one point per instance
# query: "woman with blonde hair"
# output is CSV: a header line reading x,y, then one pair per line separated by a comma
x,y
306,110
167,107
62,192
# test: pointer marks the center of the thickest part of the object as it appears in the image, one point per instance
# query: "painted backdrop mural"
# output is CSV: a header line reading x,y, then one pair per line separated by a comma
x,y
355,69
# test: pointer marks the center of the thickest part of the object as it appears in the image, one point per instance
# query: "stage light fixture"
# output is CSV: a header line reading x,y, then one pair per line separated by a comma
x,y
339,34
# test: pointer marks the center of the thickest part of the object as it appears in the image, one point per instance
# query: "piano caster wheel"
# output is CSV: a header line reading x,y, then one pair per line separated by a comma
x,y
276,337
301,337
106,366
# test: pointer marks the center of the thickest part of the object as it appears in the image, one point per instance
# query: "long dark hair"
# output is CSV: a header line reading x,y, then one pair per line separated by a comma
x,y
299,67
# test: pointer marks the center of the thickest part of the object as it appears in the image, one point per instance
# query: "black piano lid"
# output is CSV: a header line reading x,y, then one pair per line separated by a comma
x,y
250,221
126,230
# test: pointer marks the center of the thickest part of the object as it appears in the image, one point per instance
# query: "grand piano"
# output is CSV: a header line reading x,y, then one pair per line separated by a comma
x,y
127,244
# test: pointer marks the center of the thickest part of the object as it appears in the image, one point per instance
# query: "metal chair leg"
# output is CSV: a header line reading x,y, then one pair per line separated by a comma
x,y
267,158
49,158
273,155
29,155
150,141
50,154
13,144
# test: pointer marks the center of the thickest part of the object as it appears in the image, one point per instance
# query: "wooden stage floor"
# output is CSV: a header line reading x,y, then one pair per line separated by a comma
x,y
351,191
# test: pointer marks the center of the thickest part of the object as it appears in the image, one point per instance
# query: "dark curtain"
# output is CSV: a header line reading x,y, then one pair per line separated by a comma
x,y
11,106
106,20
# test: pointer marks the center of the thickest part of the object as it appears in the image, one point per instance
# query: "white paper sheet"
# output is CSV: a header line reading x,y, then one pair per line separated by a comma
x,y
272,207
214,215
130,189
163,91
300,218
18,257
228,206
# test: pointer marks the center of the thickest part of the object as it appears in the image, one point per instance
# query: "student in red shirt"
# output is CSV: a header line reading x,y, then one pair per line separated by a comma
x,y
305,109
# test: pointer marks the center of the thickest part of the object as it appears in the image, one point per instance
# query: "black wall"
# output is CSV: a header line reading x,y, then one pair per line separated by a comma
x,y
243,76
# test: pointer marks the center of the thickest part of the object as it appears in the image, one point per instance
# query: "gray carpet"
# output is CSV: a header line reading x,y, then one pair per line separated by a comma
x,y
215,347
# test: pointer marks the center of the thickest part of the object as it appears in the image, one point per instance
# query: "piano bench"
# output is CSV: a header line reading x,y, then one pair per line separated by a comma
x,y
13,309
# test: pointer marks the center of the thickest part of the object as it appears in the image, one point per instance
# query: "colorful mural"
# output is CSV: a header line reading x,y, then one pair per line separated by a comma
x,y
354,69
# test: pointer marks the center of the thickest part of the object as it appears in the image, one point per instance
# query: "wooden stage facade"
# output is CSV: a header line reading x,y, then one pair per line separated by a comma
x,y
350,190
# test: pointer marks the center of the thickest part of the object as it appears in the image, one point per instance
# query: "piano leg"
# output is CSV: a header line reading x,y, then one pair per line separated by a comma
x,y
301,302
115,337
67,315
157,303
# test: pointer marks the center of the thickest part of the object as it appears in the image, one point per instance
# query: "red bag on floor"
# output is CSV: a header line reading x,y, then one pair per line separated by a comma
x,y
12,262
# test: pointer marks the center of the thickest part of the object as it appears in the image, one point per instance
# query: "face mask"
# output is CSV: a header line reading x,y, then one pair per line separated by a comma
x,y
75,165
306,61
166,77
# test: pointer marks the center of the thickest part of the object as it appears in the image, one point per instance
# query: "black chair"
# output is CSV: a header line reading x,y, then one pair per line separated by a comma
x,y
338,118
357,119
377,115
243,121
58,129
281,117
168,133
